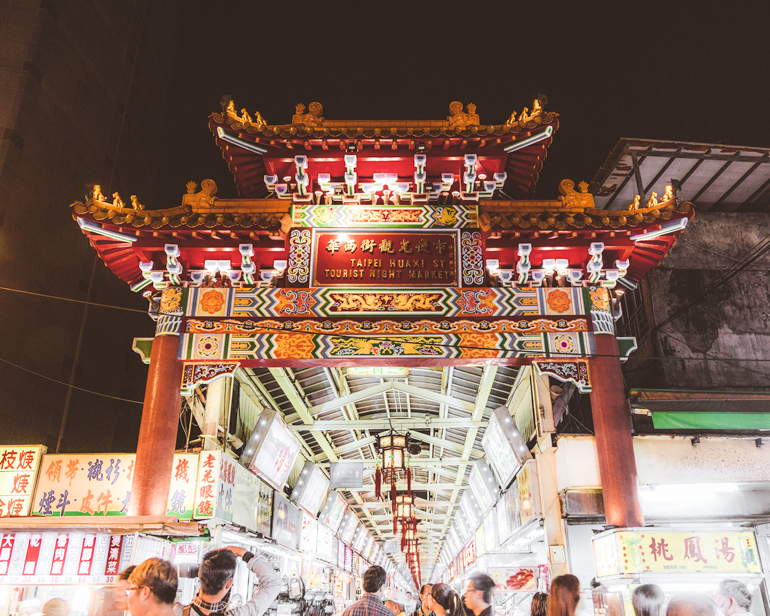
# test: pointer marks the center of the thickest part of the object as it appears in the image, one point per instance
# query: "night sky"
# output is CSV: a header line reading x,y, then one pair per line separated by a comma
x,y
686,71
689,71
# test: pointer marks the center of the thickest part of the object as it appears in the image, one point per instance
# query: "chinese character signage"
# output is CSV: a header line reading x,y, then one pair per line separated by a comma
x,y
364,258
308,538
215,489
181,496
63,558
285,521
271,450
629,553
528,491
469,554
99,485
18,473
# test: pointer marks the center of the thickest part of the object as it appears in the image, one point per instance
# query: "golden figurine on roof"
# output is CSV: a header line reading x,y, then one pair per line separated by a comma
x,y
458,118
313,118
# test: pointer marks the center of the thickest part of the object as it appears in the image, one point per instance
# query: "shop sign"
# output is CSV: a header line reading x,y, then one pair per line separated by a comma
x,y
325,547
215,490
308,538
384,258
346,475
514,579
253,501
274,450
528,493
285,521
348,559
18,472
481,547
662,551
483,484
99,485
379,371
63,558
469,554
501,439
310,489
349,525
451,571
333,511
490,531
341,547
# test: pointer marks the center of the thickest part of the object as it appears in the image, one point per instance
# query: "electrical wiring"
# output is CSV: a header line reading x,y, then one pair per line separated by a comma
x,y
75,301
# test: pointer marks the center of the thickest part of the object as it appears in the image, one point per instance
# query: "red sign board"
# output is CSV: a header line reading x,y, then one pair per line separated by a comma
x,y
469,553
385,258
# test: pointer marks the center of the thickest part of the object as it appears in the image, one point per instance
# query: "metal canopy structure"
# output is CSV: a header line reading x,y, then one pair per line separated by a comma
x,y
715,177
337,416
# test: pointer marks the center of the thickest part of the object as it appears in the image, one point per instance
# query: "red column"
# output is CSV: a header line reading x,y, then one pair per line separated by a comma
x,y
617,463
157,435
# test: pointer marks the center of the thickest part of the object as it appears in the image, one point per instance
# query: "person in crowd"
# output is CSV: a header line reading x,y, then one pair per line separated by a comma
x,y
478,595
395,607
57,607
445,602
423,610
539,605
565,596
733,597
216,579
370,604
119,599
648,600
692,604
152,588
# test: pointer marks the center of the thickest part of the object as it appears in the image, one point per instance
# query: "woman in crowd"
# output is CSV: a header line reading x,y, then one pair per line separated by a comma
x,y
565,596
648,600
445,601
539,606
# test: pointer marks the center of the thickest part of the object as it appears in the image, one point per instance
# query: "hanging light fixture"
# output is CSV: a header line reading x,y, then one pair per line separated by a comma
x,y
393,449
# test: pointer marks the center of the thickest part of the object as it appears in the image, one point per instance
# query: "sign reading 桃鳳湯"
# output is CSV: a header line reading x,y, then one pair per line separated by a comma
x,y
365,258
662,550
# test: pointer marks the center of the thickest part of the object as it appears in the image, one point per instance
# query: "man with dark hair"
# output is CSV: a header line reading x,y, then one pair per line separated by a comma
x,y
152,588
371,603
733,598
216,577
478,595
424,594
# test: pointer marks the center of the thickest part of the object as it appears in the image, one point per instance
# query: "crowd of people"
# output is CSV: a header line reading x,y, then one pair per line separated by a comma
x,y
150,589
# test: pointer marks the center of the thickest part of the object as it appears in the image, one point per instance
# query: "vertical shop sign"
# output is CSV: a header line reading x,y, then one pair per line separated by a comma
x,y
113,555
18,473
181,496
215,488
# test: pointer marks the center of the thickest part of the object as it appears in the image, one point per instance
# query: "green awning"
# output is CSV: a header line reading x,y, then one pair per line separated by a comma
x,y
673,420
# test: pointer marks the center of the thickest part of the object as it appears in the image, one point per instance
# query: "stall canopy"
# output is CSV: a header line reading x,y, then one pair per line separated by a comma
x,y
715,177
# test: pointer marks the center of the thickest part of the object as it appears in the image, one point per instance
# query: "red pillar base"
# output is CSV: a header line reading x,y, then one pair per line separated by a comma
x,y
617,463
157,435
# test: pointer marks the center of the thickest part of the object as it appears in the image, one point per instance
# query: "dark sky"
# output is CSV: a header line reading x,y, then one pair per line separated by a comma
x,y
691,71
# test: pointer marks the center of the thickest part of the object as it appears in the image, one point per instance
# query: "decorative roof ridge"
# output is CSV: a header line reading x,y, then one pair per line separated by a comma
x,y
458,123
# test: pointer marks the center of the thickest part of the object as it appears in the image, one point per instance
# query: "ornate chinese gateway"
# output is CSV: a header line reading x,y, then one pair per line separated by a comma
x,y
398,243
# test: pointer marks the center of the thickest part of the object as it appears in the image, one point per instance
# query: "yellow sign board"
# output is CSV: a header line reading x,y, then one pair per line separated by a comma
x,y
18,474
379,371
628,553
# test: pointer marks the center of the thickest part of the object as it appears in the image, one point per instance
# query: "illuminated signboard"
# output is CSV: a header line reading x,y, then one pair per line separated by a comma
x,y
504,446
100,484
528,491
385,258
333,511
271,450
308,538
310,489
665,551
483,484
285,521
18,474
348,529
54,558
378,371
